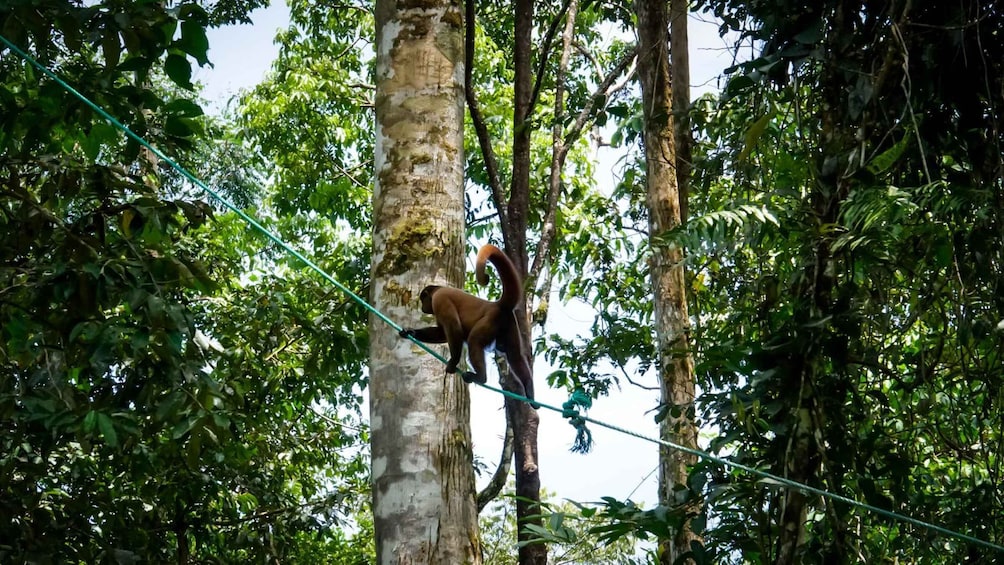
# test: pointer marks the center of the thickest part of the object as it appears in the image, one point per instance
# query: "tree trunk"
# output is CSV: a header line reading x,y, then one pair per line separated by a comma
x,y
800,465
181,538
676,368
525,420
679,52
525,424
423,480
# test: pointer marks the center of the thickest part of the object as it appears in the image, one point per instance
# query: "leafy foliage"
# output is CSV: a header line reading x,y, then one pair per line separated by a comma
x,y
171,387
312,118
158,403
845,271
864,317
572,531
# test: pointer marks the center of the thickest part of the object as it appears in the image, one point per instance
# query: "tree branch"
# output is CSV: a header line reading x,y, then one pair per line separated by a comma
x,y
602,92
558,150
494,487
558,160
545,50
480,127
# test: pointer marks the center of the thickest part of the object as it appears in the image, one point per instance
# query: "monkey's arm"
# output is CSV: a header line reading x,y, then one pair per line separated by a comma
x,y
436,334
432,334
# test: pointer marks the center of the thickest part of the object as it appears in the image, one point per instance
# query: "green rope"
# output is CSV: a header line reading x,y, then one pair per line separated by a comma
x,y
578,397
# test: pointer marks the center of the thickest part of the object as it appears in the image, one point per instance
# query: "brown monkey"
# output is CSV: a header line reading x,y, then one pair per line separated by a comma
x,y
464,317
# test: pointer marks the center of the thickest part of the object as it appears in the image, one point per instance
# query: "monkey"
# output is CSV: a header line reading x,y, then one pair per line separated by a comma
x,y
462,317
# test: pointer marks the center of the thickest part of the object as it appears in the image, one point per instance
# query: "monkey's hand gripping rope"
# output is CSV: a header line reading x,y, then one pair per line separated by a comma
x,y
583,437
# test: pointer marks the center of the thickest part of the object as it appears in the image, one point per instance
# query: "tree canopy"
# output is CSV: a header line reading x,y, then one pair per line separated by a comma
x,y
164,391
173,388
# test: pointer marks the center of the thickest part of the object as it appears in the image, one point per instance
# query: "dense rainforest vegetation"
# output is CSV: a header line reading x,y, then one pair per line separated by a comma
x,y
174,388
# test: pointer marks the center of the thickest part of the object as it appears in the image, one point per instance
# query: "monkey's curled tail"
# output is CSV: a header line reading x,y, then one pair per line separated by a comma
x,y
512,285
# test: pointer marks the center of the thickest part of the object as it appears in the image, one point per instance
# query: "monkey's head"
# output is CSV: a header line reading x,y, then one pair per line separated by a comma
x,y
426,297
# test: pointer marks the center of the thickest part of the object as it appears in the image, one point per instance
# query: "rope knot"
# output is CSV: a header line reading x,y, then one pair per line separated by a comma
x,y
583,437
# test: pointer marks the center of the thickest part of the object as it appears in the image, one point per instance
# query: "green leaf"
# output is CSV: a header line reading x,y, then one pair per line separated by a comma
x,y
170,406
90,421
883,161
193,449
811,35
183,427
247,502
107,429
183,108
738,84
112,48
555,520
178,127
753,135
179,70
194,41
134,63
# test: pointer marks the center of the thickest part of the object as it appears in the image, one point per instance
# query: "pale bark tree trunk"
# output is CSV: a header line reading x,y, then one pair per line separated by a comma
x,y
423,479
676,368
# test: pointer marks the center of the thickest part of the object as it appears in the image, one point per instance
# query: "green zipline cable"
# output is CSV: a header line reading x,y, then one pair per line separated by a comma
x,y
292,251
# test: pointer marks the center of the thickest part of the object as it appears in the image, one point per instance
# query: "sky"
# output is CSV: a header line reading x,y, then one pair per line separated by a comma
x,y
618,465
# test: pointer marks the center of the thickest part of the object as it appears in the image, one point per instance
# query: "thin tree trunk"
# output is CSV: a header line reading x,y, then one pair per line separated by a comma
x,y
423,481
679,52
671,318
514,214
805,451
181,538
519,194
525,420
800,465
527,479
501,474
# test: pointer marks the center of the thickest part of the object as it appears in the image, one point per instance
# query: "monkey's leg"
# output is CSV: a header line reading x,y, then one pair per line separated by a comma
x,y
524,375
479,339
521,365
456,342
